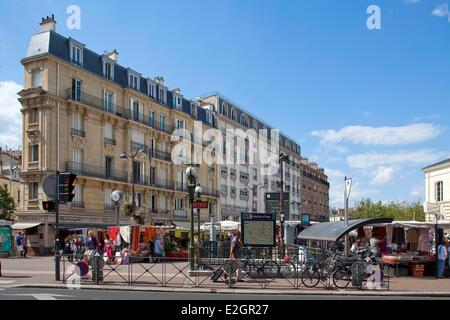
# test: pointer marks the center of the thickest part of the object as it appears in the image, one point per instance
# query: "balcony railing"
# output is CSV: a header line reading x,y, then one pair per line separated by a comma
x,y
110,141
210,192
95,171
180,214
117,110
162,155
136,146
234,209
163,211
78,132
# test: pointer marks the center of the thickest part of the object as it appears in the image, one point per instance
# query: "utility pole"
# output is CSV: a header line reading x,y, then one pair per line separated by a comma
x,y
283,158
347,190
57,239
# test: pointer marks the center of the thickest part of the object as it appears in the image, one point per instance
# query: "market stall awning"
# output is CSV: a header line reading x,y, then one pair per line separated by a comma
x,y
332,231
25,225
185,225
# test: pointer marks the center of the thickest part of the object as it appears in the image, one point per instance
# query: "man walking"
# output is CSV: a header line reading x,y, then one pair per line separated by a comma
x,y
19,244
235,253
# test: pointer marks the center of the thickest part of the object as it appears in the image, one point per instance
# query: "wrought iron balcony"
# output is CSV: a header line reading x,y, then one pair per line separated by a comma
x,y
136,146
180,186
78,132
95,171
110,141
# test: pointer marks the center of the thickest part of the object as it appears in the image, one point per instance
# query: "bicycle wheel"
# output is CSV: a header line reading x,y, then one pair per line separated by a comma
x,y
310,277
271,269
341,278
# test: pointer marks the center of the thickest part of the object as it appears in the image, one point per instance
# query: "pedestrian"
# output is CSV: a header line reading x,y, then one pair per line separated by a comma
x,y
19,244
375,246
25,247
159,248
109,248
442,257
92,246
235,253
68,248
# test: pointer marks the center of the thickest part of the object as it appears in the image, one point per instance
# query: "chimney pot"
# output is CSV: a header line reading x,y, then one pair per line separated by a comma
x,y
48,24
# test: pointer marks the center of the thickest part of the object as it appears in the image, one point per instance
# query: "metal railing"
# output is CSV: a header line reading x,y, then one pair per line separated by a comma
x,y
78,132
110,141
77,204
95,171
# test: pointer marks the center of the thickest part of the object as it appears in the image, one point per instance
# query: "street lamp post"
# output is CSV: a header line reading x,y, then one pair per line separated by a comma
x,y
347,190
124,156
282,159
198,192
191,173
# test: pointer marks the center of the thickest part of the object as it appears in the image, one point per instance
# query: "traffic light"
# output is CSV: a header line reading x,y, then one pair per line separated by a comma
x,y
48,206
66,187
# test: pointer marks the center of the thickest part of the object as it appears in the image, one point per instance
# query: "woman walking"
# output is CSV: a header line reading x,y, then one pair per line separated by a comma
x,y
442,257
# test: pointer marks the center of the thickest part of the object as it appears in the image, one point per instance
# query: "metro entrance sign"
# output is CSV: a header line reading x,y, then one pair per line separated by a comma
x,y
200,204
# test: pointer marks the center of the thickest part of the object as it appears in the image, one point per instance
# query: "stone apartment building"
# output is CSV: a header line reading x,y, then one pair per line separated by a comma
x,y
315,191
243,187
10,163
81,112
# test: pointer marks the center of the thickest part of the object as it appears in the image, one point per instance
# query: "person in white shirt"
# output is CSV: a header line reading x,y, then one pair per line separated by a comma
x,y
442,256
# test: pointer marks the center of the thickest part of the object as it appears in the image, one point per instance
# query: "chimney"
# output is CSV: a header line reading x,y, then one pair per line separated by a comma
x,y
48,23
113,55
159,80
177,90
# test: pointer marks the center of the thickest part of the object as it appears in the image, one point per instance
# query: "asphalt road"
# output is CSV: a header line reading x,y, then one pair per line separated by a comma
x,y
66,294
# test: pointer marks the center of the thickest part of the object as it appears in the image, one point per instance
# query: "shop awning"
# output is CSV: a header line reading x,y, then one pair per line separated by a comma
x,y
185,225
332,231
25,225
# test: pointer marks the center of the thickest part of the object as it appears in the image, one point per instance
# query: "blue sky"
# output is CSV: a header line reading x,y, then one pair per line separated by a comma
x,y
370,104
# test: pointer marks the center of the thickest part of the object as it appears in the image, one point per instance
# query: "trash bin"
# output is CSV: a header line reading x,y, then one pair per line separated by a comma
x,y
97,268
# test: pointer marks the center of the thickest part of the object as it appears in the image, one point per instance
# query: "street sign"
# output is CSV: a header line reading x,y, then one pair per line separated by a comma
x,y
273,203
49,186
200,204
258,229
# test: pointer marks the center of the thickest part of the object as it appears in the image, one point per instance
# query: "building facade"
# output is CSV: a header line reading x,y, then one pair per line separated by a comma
x,y
10,163
81,112
437,191
243,186
315,191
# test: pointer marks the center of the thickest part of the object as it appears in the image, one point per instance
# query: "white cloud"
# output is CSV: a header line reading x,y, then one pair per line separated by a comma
x,y
417,192
379,136
375,159
441,11
383,175
10,115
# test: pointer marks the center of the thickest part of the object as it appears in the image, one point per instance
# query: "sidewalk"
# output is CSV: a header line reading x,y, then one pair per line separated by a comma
x,y
38,272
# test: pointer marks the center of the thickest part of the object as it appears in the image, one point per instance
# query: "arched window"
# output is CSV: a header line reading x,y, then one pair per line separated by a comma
x,y
224,108
244,120
255,124
233,114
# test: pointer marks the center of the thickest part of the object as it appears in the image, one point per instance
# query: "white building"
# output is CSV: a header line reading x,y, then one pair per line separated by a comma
x,y
437,190
242,186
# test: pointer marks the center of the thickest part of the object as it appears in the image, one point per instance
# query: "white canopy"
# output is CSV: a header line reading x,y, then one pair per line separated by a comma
x,y
226,225
25,225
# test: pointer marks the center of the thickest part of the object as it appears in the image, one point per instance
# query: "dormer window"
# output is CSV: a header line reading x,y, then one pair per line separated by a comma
x,y
132,81
76,55
108,70
151,90
177,102
162,95
209,117
194,109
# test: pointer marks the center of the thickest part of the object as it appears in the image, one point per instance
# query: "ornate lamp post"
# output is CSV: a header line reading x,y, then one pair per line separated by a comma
x,y
191,173
198,192
125,156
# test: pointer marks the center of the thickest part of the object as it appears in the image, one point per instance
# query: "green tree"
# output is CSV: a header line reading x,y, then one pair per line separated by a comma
x,y
400,211
7,205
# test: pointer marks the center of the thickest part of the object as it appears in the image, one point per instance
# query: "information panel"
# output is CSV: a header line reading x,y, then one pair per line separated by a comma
x,y
258,229
273,203
5,239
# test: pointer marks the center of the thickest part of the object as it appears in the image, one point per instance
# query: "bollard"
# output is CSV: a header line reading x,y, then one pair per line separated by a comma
x,y
57,267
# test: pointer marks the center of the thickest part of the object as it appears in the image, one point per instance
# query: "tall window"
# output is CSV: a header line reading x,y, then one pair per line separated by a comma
x,y
152,90
179,204
77,155
34,115
77,122
109,134
162,122
108,200
180,124
108,101
162,95
439,191
151,118
33,190
36,78
152,203
76,89
133,81
108,166
162,203
76,55
152,176
77,191
135,109
108,71
34,152
233,114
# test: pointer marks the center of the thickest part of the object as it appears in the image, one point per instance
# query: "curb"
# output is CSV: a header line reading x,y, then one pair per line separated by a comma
x,y
245,291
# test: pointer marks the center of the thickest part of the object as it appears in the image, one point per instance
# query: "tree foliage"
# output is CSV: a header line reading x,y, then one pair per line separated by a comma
x,y
400,211
7,205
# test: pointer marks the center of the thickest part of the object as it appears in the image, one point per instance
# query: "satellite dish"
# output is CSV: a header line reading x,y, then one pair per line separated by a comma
x,y
117,196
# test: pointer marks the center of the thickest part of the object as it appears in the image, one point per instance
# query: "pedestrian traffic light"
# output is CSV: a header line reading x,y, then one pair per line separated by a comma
x,y
66,187
48,206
